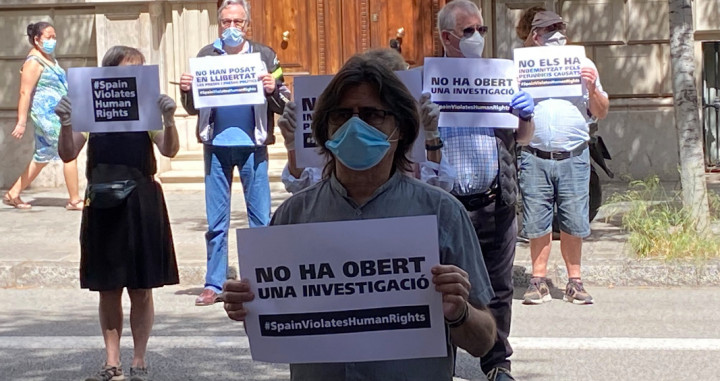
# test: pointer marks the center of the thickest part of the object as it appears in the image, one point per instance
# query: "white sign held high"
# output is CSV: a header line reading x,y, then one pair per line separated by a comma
x,y
550,71
115,98
413,81
343,291
306,91
227,80
472,92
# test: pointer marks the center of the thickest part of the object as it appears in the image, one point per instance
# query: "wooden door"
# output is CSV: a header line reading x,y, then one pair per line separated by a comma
x,y
287,26
352,26
318,36
411,24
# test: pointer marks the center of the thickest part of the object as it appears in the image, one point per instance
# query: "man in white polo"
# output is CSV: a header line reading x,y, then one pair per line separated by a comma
x,y
555,171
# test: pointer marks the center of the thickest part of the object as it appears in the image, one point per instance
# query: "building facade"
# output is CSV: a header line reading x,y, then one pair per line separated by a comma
x,y
627,39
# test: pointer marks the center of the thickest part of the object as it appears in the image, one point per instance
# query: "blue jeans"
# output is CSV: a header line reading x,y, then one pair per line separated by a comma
x,y
565,183
219,165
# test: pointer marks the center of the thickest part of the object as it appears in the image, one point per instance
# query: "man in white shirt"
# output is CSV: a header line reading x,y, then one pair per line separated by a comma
x,y
555,170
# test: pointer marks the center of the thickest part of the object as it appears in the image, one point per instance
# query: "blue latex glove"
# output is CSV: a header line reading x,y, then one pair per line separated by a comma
x,y
523,103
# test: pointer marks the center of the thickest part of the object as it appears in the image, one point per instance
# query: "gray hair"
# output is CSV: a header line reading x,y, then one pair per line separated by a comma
x,y
446,17
242,3
388,56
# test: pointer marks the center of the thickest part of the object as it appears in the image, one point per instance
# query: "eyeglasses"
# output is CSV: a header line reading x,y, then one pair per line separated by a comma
x,y
372,116
469,31
226,23
562,27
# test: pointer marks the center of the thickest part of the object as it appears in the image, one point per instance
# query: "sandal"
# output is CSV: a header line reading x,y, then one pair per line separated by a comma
x,y
75,205
16,202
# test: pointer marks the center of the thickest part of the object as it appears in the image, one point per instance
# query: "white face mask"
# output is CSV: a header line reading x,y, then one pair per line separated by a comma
x,y
553,39
472,47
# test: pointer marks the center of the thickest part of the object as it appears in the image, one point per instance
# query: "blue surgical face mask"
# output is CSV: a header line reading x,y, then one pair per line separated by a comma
x,y
49,46
233,37
358,145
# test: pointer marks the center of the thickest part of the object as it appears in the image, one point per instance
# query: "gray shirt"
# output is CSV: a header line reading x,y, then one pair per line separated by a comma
x,y
400,196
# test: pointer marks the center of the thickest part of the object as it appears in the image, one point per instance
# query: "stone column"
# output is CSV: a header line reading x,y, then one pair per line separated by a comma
x,y
168,33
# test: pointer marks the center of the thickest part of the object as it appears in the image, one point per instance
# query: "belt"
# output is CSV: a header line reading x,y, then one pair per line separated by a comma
x,y
555,155
476,201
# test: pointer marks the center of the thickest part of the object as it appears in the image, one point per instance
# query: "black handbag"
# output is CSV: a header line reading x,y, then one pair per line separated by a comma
x,y
110,194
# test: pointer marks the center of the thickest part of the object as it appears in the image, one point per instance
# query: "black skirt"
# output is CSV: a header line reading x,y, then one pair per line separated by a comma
x,y
129,245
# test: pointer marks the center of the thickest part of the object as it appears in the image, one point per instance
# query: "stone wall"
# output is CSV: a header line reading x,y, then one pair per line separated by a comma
x,y
628,41
167,32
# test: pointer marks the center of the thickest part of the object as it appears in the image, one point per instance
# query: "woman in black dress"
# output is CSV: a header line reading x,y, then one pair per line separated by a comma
x,y
125,237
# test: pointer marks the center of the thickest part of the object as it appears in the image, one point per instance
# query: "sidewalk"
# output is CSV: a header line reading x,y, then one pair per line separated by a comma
x,y
39,247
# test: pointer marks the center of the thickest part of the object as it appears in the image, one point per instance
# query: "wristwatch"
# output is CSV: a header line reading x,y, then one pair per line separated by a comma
x,y
435,147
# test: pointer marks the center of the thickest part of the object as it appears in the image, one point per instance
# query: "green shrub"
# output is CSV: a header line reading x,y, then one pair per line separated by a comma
x,y
659,226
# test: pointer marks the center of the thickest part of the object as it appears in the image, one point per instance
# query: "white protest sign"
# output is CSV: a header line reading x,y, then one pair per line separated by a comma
x,y
413,81
227,80
115,98
343,291
550,71
306,91
472,92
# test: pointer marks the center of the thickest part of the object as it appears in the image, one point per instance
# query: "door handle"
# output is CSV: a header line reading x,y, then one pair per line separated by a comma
x,y
286,36
396,43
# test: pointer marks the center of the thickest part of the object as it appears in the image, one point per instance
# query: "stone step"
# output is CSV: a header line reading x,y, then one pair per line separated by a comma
x,y
193,172
275,151
197,164
188,167
277,189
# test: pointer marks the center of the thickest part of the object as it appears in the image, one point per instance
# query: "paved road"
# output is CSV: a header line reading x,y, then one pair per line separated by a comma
x,y
630,334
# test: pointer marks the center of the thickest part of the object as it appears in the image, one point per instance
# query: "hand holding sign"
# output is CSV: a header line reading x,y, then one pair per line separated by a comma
x,y
186,80
63,110
589,76
167,107
454,285
235,293
429,114
287,124
524,103
268,82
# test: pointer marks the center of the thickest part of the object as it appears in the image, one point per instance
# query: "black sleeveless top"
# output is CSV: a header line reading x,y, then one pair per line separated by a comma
x,y
119,156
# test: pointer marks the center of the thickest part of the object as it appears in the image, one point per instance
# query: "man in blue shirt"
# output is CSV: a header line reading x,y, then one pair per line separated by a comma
x,y
234,136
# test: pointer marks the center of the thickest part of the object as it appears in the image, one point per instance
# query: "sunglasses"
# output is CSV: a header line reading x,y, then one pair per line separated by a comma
x,y
469,31
372,116
561,26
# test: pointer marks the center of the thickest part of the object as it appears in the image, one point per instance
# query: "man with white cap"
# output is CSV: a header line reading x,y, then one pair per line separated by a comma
x,y
555,170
